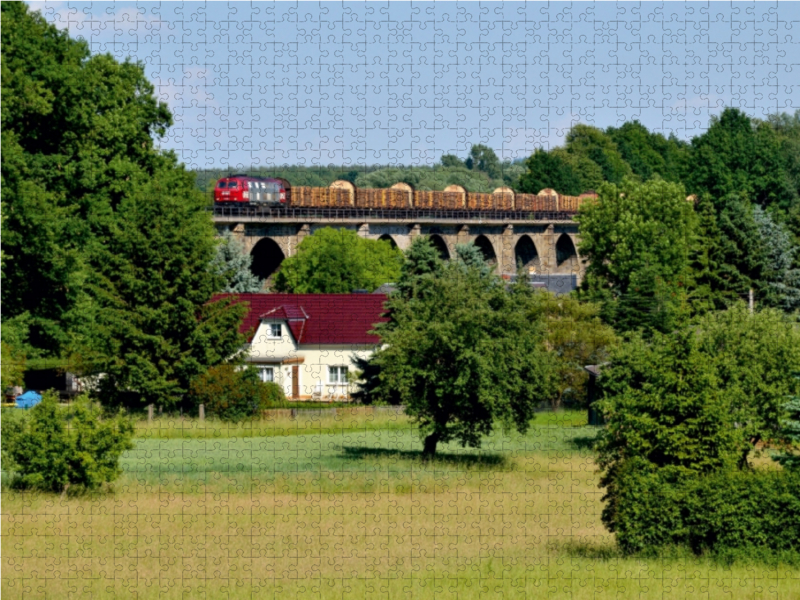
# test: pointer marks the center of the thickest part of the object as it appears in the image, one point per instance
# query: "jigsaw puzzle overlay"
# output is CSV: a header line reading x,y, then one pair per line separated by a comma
x,y
339,501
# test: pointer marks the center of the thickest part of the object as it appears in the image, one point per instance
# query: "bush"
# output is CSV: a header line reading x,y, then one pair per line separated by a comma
x,y
234,395
55,448
728,513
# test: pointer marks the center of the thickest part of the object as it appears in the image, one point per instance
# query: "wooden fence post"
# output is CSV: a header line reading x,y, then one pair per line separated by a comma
x,y
202,412
149,412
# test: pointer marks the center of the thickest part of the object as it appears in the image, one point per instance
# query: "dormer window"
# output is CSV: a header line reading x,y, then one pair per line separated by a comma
x,y
274,331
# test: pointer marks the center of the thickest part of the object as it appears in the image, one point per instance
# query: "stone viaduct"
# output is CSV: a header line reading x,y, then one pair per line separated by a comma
x,y
544,246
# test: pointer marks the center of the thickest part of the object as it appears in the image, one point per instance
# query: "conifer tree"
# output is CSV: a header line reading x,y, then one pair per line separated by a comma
x,y
233,265
421,261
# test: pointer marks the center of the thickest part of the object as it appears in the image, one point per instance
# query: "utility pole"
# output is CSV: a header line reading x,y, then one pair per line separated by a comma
x,y
750,301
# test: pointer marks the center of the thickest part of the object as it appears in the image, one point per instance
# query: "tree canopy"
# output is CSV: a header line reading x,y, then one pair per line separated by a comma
x,y
338,261
462,355
107,246
739,155
151,328
691,403
77,137
636,239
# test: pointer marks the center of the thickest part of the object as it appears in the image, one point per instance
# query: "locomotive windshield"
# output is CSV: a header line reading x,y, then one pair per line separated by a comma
x,y
221,184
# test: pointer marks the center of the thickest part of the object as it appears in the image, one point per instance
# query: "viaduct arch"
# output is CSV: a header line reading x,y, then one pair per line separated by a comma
x,y
542,247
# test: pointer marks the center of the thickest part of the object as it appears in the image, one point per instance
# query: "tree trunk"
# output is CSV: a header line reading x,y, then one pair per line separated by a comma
x,y
429,450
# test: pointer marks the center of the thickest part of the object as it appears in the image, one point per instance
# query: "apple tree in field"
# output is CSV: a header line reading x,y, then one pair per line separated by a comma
x,y
463,356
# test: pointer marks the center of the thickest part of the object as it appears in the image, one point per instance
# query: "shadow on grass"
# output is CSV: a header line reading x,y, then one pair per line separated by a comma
x,y
583,442
467,461
591,550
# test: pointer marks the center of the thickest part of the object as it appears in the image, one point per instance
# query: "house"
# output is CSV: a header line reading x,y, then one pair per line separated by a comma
x,y
304,342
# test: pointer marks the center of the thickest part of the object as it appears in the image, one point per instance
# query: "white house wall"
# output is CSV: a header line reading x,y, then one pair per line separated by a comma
x,y
313,371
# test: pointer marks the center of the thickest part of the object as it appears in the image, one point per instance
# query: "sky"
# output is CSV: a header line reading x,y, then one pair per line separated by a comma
x,y
355,83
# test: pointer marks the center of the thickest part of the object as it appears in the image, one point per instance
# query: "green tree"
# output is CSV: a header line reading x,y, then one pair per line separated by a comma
x,y
232,264
780,279
482,158
791,459
576,336
60,447
77,137
696,401
151,325
421,261
590,142
649,154
788,129
452,161
337,261
739,156
12,365
717,281
420,265
471,257
461,355
636,239
566,173
744,247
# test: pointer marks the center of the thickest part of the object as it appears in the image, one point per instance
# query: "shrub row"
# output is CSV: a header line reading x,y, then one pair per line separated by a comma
x,y
747,512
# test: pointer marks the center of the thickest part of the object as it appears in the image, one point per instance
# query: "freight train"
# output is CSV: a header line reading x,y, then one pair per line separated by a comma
x,y
247,191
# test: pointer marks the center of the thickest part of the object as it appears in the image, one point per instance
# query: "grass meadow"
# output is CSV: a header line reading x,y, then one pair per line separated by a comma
x,y
344,507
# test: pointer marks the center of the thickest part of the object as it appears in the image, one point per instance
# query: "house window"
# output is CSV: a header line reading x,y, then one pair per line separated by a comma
x,y
274,331
267,374
337,374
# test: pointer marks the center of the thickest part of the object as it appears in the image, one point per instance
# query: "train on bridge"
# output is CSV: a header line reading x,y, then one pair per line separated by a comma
x,y
252,192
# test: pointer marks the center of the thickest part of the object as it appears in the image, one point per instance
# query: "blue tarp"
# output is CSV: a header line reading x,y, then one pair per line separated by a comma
x,y
28,400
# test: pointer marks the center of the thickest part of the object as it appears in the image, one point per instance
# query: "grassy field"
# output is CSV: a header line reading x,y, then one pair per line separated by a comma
x,y
345,508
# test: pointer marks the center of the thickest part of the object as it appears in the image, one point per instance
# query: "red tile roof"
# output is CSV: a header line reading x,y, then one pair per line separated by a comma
x,y
316,318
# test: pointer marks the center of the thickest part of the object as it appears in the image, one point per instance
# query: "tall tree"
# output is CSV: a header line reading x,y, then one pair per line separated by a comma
x,y
780,280
717,283
590,142
421,261
482,158
471,257
636,239
337,261
451,160
151,328
648,153
566,173
77,137
697,400
739,156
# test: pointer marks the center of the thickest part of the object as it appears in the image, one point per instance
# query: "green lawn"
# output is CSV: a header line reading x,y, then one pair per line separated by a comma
x,y
307,510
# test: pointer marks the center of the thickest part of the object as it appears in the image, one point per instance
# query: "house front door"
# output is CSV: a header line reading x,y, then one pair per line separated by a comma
x,y
295,382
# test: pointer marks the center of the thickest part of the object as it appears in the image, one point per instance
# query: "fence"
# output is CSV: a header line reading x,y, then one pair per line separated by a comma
x,y
317,413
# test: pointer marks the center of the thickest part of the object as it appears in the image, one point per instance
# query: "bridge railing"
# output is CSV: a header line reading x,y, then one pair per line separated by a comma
x,y
406,215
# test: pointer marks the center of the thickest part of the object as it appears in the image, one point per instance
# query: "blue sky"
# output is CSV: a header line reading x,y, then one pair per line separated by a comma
x,y
323,83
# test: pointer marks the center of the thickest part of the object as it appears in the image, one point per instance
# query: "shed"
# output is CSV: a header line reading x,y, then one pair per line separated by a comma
x,y
595,417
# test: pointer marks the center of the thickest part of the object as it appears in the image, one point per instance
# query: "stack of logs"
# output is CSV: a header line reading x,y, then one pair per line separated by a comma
x,y
502,199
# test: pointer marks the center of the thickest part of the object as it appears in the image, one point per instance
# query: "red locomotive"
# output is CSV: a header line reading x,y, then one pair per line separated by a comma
x,y
250,191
